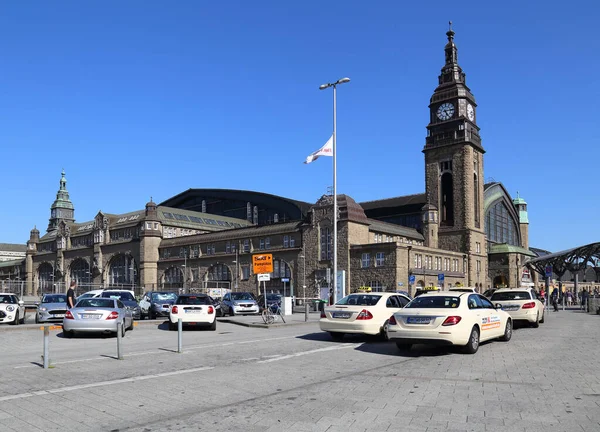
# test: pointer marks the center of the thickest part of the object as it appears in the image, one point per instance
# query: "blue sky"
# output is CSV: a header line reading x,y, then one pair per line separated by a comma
x,y
149,98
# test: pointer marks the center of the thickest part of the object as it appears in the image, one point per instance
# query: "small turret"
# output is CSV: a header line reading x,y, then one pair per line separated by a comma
x,y
521,207
429,214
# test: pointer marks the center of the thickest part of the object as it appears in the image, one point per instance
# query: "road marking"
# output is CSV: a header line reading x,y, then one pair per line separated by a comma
x,y
191,348
102,383
303,353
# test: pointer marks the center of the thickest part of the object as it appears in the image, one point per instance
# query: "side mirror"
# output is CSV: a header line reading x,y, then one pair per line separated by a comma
x,y
498,306
21,302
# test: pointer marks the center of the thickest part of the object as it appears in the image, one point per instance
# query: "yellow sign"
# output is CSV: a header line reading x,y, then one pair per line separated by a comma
x,y
52,327
364,289
262,263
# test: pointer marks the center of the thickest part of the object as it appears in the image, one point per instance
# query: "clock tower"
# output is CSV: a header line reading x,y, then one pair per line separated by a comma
x,y
454,166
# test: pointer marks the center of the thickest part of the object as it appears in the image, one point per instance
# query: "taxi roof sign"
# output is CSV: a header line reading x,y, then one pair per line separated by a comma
x,y
262,263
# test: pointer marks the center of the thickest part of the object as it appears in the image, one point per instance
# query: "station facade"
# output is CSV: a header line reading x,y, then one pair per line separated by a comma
x,y
460,231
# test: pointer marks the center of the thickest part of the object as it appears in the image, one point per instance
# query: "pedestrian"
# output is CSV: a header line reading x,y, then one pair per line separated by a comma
x,y
569,298
584,298
71,295
554,299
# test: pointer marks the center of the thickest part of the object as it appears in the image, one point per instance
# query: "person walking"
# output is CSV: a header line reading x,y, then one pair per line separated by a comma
x,y
554,299
584,299
71,295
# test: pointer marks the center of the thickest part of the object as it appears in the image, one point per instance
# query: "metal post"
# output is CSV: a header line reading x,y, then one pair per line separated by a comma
x,y
335,215
560,292
265,292
235,286
179,336
119,330
46,348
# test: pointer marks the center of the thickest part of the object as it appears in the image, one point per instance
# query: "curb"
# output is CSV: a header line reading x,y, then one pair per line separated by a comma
x,y
265,326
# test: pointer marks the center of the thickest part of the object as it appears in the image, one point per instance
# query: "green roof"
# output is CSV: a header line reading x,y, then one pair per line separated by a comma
x,y
505,248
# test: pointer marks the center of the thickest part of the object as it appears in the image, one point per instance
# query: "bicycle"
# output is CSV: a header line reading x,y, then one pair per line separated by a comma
x,y
271,316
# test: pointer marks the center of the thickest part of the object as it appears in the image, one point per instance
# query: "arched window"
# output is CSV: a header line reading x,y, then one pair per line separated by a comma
x,y
174,276
80,273
45,278
123,270
447,198
280,269
476,193
376,286
218,272
500,226
326,244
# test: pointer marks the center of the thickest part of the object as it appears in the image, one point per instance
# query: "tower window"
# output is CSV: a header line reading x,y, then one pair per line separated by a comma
x,y
447,198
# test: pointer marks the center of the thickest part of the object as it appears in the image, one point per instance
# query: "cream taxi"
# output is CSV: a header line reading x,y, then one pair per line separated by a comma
x,y
449,318
522,304
362,313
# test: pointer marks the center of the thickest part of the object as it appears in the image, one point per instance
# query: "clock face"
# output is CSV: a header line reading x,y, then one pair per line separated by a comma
x,y
445,111
470,112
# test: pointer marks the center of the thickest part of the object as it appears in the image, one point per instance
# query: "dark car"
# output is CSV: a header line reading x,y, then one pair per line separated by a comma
x,y
127,299
217,304
157,304
273,301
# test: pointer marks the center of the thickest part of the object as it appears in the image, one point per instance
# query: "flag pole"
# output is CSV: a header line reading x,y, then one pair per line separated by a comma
x,y
335,212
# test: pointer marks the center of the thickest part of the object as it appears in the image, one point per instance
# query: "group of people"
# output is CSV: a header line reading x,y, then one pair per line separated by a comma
x,y
569,297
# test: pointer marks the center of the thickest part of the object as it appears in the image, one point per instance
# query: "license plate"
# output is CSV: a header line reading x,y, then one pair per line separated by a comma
x,y
59,315
191,311
418,320
90,316
510,308
345,315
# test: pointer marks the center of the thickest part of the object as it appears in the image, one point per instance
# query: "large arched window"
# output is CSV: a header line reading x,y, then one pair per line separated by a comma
x,y
80,273
174,276
500,226
280,269
218,272
326,243
45,278
447,198
123,270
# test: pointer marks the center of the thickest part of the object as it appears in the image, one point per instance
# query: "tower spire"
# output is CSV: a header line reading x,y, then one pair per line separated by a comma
x,y
62,207
450,49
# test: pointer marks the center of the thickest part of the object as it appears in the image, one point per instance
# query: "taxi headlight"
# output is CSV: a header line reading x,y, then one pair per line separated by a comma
x,y
10,308
43,309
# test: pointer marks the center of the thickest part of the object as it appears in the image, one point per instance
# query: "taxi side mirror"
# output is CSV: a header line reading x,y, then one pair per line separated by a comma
x,y
21,302
498,306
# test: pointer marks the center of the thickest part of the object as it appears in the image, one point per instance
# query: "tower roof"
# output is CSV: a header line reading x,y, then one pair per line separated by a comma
x,y
62,196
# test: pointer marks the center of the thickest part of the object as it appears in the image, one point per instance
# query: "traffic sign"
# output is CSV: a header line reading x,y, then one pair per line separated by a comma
x,y
441,277
262,263
548,271
411,279
264,277
285,279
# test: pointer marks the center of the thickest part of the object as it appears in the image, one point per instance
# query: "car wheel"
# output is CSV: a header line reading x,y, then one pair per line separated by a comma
x,y
337,336
542,319
23,319
473,345
37,319
507,331
68,334
123,329
403,346
130,325
213,326
172,326
151,315
536,324
231,311
16,320
384,331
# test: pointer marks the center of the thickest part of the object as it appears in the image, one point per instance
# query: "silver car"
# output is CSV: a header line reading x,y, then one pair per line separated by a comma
x,y
234,303
52,308
97,315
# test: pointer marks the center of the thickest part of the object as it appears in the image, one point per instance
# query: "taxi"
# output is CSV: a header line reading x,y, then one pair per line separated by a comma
x,y
521,303
361,313
449,318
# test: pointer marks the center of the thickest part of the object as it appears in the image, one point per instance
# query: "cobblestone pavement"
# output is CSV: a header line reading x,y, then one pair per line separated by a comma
x,y
294,378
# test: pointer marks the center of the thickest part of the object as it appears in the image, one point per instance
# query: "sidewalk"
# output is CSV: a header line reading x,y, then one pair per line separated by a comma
x,y
257,321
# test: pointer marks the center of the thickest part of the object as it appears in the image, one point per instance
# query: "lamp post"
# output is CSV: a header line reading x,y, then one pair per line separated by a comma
x,y
303,256
184,269
335,215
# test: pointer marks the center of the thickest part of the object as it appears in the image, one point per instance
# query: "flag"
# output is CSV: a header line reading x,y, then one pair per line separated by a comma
x,y
326,150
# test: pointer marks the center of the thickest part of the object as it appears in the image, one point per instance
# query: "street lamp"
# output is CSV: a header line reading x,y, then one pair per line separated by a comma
x,y
335,215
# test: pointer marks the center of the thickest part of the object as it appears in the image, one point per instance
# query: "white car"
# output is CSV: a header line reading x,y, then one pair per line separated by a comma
x,y
449,318
193,309
522,304
12,309
363,313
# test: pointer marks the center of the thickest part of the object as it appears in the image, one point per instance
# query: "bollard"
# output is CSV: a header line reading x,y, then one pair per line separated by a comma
x,y
305,311
46,349
179,336
119,329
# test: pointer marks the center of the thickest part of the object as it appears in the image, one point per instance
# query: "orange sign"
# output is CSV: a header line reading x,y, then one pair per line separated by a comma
x,y
262,263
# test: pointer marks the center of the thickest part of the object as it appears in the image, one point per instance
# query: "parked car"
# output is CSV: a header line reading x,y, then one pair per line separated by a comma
x,y
522,304
12,309
193,309
52,308
217,304
89,294
363,313
97,315
273,301
239,303
127,298
449,318
156,304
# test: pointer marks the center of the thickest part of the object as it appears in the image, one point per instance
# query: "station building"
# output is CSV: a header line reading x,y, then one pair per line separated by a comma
x,y
460,231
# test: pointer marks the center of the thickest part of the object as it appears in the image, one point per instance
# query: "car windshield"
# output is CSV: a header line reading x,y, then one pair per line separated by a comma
x,y
241,296
434,302
359,300
119,295
96,302
54,298
276,297
511,295
8,299
158,297
193,300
